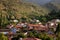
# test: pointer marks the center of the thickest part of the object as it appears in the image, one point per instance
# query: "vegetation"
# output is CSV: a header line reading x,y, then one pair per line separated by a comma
x,y
3,37
40,35
16,9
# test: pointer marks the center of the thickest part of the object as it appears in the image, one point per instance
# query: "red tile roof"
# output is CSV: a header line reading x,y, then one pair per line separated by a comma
x,y
37,27
31,39
4,30
18,26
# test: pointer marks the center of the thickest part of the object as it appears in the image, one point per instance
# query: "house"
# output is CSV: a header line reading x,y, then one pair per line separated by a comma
x,y
37,27
10,26
13,30
20,25
4,31
52,24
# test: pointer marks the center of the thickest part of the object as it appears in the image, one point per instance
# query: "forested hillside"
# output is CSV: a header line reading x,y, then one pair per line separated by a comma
x,y
16,9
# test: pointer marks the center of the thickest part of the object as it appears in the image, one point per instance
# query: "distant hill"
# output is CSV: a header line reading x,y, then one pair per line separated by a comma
x,y
38,2
50,4
56,3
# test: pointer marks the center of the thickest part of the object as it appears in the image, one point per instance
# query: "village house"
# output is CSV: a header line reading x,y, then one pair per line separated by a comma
x,y
20,25
4,31
52,24
9,26
37,27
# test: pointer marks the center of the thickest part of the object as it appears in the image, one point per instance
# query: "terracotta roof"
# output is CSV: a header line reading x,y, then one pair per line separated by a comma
x,y
33,25
4,30
18,26
37,27
31,39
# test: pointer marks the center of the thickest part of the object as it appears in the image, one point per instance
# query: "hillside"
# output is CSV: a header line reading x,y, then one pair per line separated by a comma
x,y
16,9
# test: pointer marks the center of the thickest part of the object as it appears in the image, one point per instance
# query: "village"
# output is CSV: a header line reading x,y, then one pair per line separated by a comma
x,y
29,19
30,31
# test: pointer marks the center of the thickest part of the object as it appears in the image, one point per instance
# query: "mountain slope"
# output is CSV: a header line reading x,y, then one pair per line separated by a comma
x,y
20,7
16,9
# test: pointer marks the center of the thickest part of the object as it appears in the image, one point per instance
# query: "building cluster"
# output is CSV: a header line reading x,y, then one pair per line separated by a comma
x,y
11,29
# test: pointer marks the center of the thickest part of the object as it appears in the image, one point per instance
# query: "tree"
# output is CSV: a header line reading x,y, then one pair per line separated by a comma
x,y
21,35
30,34
53,15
